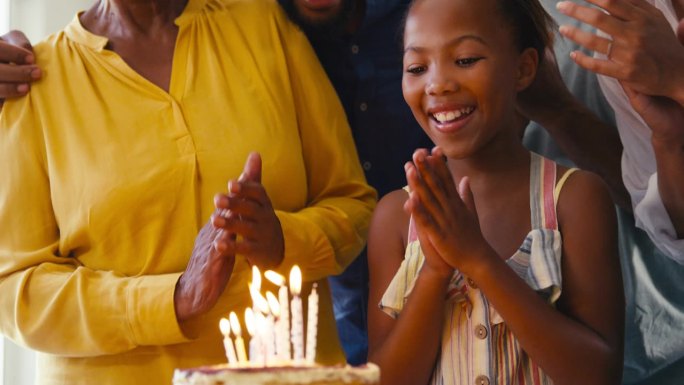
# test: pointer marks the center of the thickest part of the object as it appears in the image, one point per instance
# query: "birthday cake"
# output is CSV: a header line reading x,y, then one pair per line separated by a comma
x,y
368,374
276,351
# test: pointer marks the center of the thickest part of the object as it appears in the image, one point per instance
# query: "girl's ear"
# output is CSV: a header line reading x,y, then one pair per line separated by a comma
x,y
527,68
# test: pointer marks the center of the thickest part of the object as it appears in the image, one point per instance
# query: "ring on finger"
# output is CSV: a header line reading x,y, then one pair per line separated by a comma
x,y
609,50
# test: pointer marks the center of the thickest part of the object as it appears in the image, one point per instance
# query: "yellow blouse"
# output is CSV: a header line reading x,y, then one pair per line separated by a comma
x,y
106,179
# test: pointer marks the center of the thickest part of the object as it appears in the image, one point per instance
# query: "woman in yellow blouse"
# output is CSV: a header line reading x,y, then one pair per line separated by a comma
x,y
109,170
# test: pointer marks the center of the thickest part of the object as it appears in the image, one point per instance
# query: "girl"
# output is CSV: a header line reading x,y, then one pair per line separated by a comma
x,y
477,282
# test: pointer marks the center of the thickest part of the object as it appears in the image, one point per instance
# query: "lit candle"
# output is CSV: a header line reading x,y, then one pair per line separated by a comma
x,y
254,343
263,338
281,335
256,278
283,326
297,317
224,325
312,326
260,303
239,342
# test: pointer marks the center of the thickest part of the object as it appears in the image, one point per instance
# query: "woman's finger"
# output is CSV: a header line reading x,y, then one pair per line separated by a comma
x,y
595,17
587,40
621,9
599,66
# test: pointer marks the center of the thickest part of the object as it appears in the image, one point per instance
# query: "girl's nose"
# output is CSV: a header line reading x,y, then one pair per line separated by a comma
x,y
440,83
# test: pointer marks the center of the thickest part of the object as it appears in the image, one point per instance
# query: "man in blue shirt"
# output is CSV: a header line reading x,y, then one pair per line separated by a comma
x,y
359,43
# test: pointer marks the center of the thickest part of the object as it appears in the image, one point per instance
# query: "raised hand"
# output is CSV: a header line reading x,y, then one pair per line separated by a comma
x,y
248,220
205,278
642,51
17,66
445,216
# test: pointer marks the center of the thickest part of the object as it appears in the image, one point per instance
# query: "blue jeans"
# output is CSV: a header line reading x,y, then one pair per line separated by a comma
x,y
350,303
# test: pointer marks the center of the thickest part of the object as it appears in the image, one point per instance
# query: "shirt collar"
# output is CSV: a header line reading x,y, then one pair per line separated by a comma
x,y
76,32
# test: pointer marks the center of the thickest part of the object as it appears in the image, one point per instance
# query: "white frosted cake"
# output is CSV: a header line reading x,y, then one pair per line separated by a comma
x,y
368,374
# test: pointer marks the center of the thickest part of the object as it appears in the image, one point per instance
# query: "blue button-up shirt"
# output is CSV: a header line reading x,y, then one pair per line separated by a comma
x,y
365,69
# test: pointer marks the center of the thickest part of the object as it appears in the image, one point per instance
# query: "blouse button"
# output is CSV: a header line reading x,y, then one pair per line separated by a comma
x,y
482,380
481,332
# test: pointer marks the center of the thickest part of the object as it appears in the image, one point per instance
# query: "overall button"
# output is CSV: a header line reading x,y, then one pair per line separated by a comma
x,y
482,380
481,332
363,107
367,165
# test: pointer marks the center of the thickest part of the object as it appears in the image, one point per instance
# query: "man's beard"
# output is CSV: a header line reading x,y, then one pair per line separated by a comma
x,y
325,29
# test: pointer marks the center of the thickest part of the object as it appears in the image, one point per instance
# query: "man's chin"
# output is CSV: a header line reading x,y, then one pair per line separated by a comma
x,y
322,18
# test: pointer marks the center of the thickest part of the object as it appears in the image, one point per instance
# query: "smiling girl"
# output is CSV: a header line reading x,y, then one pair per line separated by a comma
x,y
475,283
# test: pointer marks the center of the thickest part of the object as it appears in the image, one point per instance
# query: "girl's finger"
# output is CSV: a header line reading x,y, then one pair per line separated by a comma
x,y
434,196
438,163
423,189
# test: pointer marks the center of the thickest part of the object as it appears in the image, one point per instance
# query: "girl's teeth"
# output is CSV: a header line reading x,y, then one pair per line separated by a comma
x,y
443,117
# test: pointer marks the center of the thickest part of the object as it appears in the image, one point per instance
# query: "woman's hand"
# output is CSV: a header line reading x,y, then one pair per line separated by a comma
x,y
205,278
642,52
445,217
248,220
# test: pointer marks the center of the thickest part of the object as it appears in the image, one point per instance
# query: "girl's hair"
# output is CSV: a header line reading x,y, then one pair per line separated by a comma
x,y
533,26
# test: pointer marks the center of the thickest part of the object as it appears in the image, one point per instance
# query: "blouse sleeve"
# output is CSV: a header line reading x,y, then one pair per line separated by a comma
x,y
48,301
331,231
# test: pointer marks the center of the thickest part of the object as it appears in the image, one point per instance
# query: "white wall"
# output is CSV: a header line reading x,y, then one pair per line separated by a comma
x,y
37,18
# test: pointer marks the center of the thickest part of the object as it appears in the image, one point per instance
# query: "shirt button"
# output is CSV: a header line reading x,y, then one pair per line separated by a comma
x,y
367,166
355,49
481,332
471,283
482,380
363,107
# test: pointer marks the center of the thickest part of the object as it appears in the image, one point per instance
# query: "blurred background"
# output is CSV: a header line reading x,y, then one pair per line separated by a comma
x,y
37,18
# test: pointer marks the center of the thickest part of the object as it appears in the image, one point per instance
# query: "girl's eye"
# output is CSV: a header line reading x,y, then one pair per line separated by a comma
x,y
415,70
468,62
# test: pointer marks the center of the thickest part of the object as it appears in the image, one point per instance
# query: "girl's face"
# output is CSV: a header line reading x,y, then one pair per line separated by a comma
x,y
462,71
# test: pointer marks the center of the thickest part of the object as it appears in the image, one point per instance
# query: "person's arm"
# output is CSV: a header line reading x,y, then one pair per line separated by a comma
x,y
49,301
413,339
326,236
588,141
646,57
17,66
586,329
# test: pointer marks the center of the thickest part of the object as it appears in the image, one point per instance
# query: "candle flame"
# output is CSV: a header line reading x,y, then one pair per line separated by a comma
x,y
259,301
235,324
249,322
256,278
224,325
295,280
273,304
274,277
